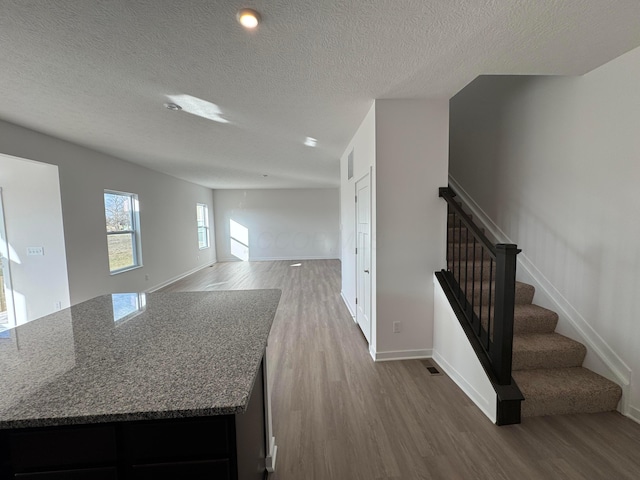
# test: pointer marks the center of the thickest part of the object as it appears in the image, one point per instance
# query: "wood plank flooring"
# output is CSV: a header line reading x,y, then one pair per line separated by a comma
x,y
337,415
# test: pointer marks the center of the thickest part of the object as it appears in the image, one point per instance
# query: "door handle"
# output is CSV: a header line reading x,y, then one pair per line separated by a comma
x,y
366,271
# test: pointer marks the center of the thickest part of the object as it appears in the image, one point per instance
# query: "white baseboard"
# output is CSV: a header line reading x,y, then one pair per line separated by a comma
x,y
401,355
178,277
633,413
476,397
594,342
275,259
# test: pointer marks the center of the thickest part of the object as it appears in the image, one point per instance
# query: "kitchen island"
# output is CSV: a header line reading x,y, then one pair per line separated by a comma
x,y
140,386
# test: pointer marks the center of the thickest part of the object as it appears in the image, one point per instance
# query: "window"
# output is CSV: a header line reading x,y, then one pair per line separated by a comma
x,y
123,230
202,218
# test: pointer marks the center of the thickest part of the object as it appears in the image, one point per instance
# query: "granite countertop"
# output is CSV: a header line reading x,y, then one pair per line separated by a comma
x,y
136,356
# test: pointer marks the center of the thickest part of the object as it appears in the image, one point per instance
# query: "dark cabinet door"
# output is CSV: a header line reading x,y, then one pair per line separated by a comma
x,y
62,448
179,440
207,470
82,474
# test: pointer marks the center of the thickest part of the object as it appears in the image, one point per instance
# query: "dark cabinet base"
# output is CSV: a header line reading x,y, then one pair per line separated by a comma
x,y
224,447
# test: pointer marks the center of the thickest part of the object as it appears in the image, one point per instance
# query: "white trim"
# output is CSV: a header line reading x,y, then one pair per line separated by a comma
x,y
9,298
619,369
401,355
634,414
344,299
368,176
476,397
178,277
273,259
372,352
271,447
135,232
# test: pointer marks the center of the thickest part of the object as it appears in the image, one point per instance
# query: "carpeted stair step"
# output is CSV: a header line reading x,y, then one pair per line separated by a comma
x,y
527,318
455,234
533,351
453,219
547,366
564,391
475,271
531,318
470,251
480,290
453,222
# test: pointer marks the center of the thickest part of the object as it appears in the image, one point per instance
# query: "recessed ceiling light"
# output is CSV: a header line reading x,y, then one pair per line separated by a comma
x,y
310,142
173,106
248,18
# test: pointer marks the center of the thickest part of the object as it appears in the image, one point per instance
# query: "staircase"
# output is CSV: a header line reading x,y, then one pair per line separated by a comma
x,y
547,366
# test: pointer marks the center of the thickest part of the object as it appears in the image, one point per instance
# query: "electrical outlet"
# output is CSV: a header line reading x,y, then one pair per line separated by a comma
x,y
146,277
397,327
58,306
31,251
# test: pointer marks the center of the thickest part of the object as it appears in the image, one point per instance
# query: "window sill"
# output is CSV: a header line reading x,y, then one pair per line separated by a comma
x,y
123,270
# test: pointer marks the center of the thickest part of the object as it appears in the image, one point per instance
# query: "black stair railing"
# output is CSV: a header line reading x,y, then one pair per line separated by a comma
x,y
482,278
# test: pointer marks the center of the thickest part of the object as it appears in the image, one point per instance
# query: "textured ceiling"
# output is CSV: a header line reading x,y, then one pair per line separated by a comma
x,y
97,73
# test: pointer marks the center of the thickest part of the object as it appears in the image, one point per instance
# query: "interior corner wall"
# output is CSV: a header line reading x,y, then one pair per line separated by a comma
x,y
363,147
412,139
553,162
33,218
167,214
281,224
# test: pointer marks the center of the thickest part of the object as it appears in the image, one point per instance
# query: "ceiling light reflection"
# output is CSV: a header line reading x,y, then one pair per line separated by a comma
x,y
199,107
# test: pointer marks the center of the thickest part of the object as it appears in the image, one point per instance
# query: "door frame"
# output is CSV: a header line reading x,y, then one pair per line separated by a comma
x,y
368,175
6,269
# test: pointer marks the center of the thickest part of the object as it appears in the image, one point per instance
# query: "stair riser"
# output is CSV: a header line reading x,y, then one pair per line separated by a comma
x,y
526,325
566,391
523,322
467,251
568,405
470,271
560,359
524,294
455,234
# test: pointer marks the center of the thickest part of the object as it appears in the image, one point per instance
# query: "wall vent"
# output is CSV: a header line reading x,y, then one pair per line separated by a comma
x,y
432,370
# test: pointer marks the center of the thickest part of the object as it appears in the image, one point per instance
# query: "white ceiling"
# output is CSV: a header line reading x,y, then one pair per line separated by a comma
x,y
97,73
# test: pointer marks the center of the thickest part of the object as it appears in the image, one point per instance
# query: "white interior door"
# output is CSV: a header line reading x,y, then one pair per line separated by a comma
x,y
7,312
363,256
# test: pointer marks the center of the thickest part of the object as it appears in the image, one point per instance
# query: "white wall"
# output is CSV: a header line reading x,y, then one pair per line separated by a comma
x,y
167,214
453,352
411,164
363,145
554,163
33,218
282,224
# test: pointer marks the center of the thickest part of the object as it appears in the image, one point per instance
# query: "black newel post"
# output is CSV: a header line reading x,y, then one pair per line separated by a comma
x,y
502,345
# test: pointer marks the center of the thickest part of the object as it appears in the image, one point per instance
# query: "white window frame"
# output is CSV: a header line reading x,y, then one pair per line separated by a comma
x,y
205,225
134,232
